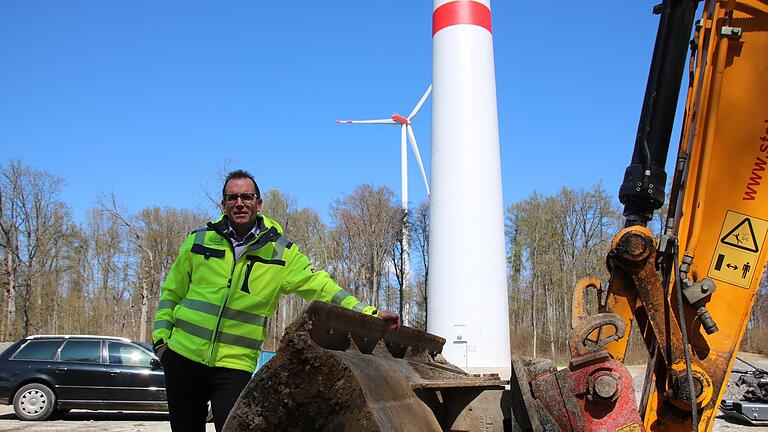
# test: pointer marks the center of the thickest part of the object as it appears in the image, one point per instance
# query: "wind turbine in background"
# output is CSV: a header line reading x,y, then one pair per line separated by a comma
x,y
406,134
406,130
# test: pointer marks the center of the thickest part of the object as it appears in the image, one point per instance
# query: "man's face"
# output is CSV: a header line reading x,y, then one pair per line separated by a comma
x,y
240,212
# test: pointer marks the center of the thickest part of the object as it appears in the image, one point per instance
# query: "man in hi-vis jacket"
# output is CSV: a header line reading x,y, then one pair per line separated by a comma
x,y
224,285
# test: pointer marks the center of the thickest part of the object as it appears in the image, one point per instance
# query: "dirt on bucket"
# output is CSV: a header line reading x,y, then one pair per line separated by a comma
x,y
310,389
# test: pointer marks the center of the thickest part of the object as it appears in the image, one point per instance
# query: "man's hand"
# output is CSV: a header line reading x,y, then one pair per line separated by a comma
x,y
159,348
392,319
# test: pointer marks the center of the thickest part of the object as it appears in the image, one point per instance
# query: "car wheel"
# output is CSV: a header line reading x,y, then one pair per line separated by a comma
x,y
34,402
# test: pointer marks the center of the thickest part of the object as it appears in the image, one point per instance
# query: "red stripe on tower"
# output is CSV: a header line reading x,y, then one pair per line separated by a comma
x,y
461,12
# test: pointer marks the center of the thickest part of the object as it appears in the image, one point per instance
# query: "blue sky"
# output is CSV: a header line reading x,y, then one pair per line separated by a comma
x,y
150,100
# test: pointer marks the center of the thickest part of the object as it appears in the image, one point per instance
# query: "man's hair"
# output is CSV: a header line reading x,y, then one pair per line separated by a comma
x,y
237,174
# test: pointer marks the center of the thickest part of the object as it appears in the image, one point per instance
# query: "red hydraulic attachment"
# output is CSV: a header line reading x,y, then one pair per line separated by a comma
x,y
594,393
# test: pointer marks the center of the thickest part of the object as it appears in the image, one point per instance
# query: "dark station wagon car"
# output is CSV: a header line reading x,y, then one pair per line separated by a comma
x,y
45,375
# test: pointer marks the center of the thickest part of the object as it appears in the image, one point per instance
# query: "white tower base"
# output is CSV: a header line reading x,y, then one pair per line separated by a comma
x,y
467,288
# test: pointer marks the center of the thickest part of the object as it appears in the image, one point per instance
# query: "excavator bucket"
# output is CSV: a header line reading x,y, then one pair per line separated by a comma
x,y
339,370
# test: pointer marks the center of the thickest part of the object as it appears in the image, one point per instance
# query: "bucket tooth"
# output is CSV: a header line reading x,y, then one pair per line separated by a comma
x,y
382,350
365,339
330,337
409,355
397,350
352,345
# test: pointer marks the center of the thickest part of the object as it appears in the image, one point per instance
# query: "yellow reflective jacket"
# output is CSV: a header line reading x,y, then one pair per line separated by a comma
x,y
214,310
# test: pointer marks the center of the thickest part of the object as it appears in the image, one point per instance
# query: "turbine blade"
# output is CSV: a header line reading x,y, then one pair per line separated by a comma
x,y
421,102
415,148
378,121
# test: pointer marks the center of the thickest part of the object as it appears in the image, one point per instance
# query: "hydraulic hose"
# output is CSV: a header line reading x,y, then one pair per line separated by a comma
x,y
686,347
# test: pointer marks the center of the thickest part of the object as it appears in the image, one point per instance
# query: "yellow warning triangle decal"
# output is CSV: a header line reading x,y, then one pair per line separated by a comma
x,y
742,236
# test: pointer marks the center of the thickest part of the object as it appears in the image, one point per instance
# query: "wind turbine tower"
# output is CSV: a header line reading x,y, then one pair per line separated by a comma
x,y
467,287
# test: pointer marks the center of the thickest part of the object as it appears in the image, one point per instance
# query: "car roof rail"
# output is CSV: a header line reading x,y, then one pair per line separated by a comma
x,y
120,338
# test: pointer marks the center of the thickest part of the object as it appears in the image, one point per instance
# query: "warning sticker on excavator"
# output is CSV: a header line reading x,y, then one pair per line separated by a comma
x,y
742,236
737,252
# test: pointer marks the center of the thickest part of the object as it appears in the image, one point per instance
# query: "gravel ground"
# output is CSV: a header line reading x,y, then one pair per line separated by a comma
x,y
111,421
722,423
733,392
92,421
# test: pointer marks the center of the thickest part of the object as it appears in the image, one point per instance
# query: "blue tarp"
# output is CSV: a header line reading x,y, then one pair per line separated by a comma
x,y
264,357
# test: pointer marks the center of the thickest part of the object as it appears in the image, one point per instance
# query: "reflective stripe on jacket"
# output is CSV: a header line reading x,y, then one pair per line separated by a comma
x,y
214,310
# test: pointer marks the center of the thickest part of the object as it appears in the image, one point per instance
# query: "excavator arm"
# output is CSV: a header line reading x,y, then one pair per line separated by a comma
x,y
691,290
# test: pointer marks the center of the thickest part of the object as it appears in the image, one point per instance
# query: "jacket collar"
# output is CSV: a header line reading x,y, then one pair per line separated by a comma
x,y
221,224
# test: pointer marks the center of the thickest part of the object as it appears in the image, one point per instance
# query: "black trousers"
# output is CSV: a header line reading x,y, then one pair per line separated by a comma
x,y
190,385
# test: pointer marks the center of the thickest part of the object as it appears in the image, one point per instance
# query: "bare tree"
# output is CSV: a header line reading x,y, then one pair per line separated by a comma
x,y
39,227
282,208
419,222
552,243
398,256
160,232
212,191
366,224
11,176
155,234
109,205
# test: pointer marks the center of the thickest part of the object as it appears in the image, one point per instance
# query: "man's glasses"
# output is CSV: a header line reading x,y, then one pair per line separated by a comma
x,y
247,198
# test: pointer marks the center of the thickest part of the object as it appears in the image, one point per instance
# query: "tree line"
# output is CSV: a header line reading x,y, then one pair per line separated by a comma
x,y
102,275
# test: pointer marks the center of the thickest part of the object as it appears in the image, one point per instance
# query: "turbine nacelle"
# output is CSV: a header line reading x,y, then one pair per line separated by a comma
x,y
400,119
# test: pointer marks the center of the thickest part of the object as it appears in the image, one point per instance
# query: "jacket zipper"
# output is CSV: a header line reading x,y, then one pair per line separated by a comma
x,y
245,288
211,356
